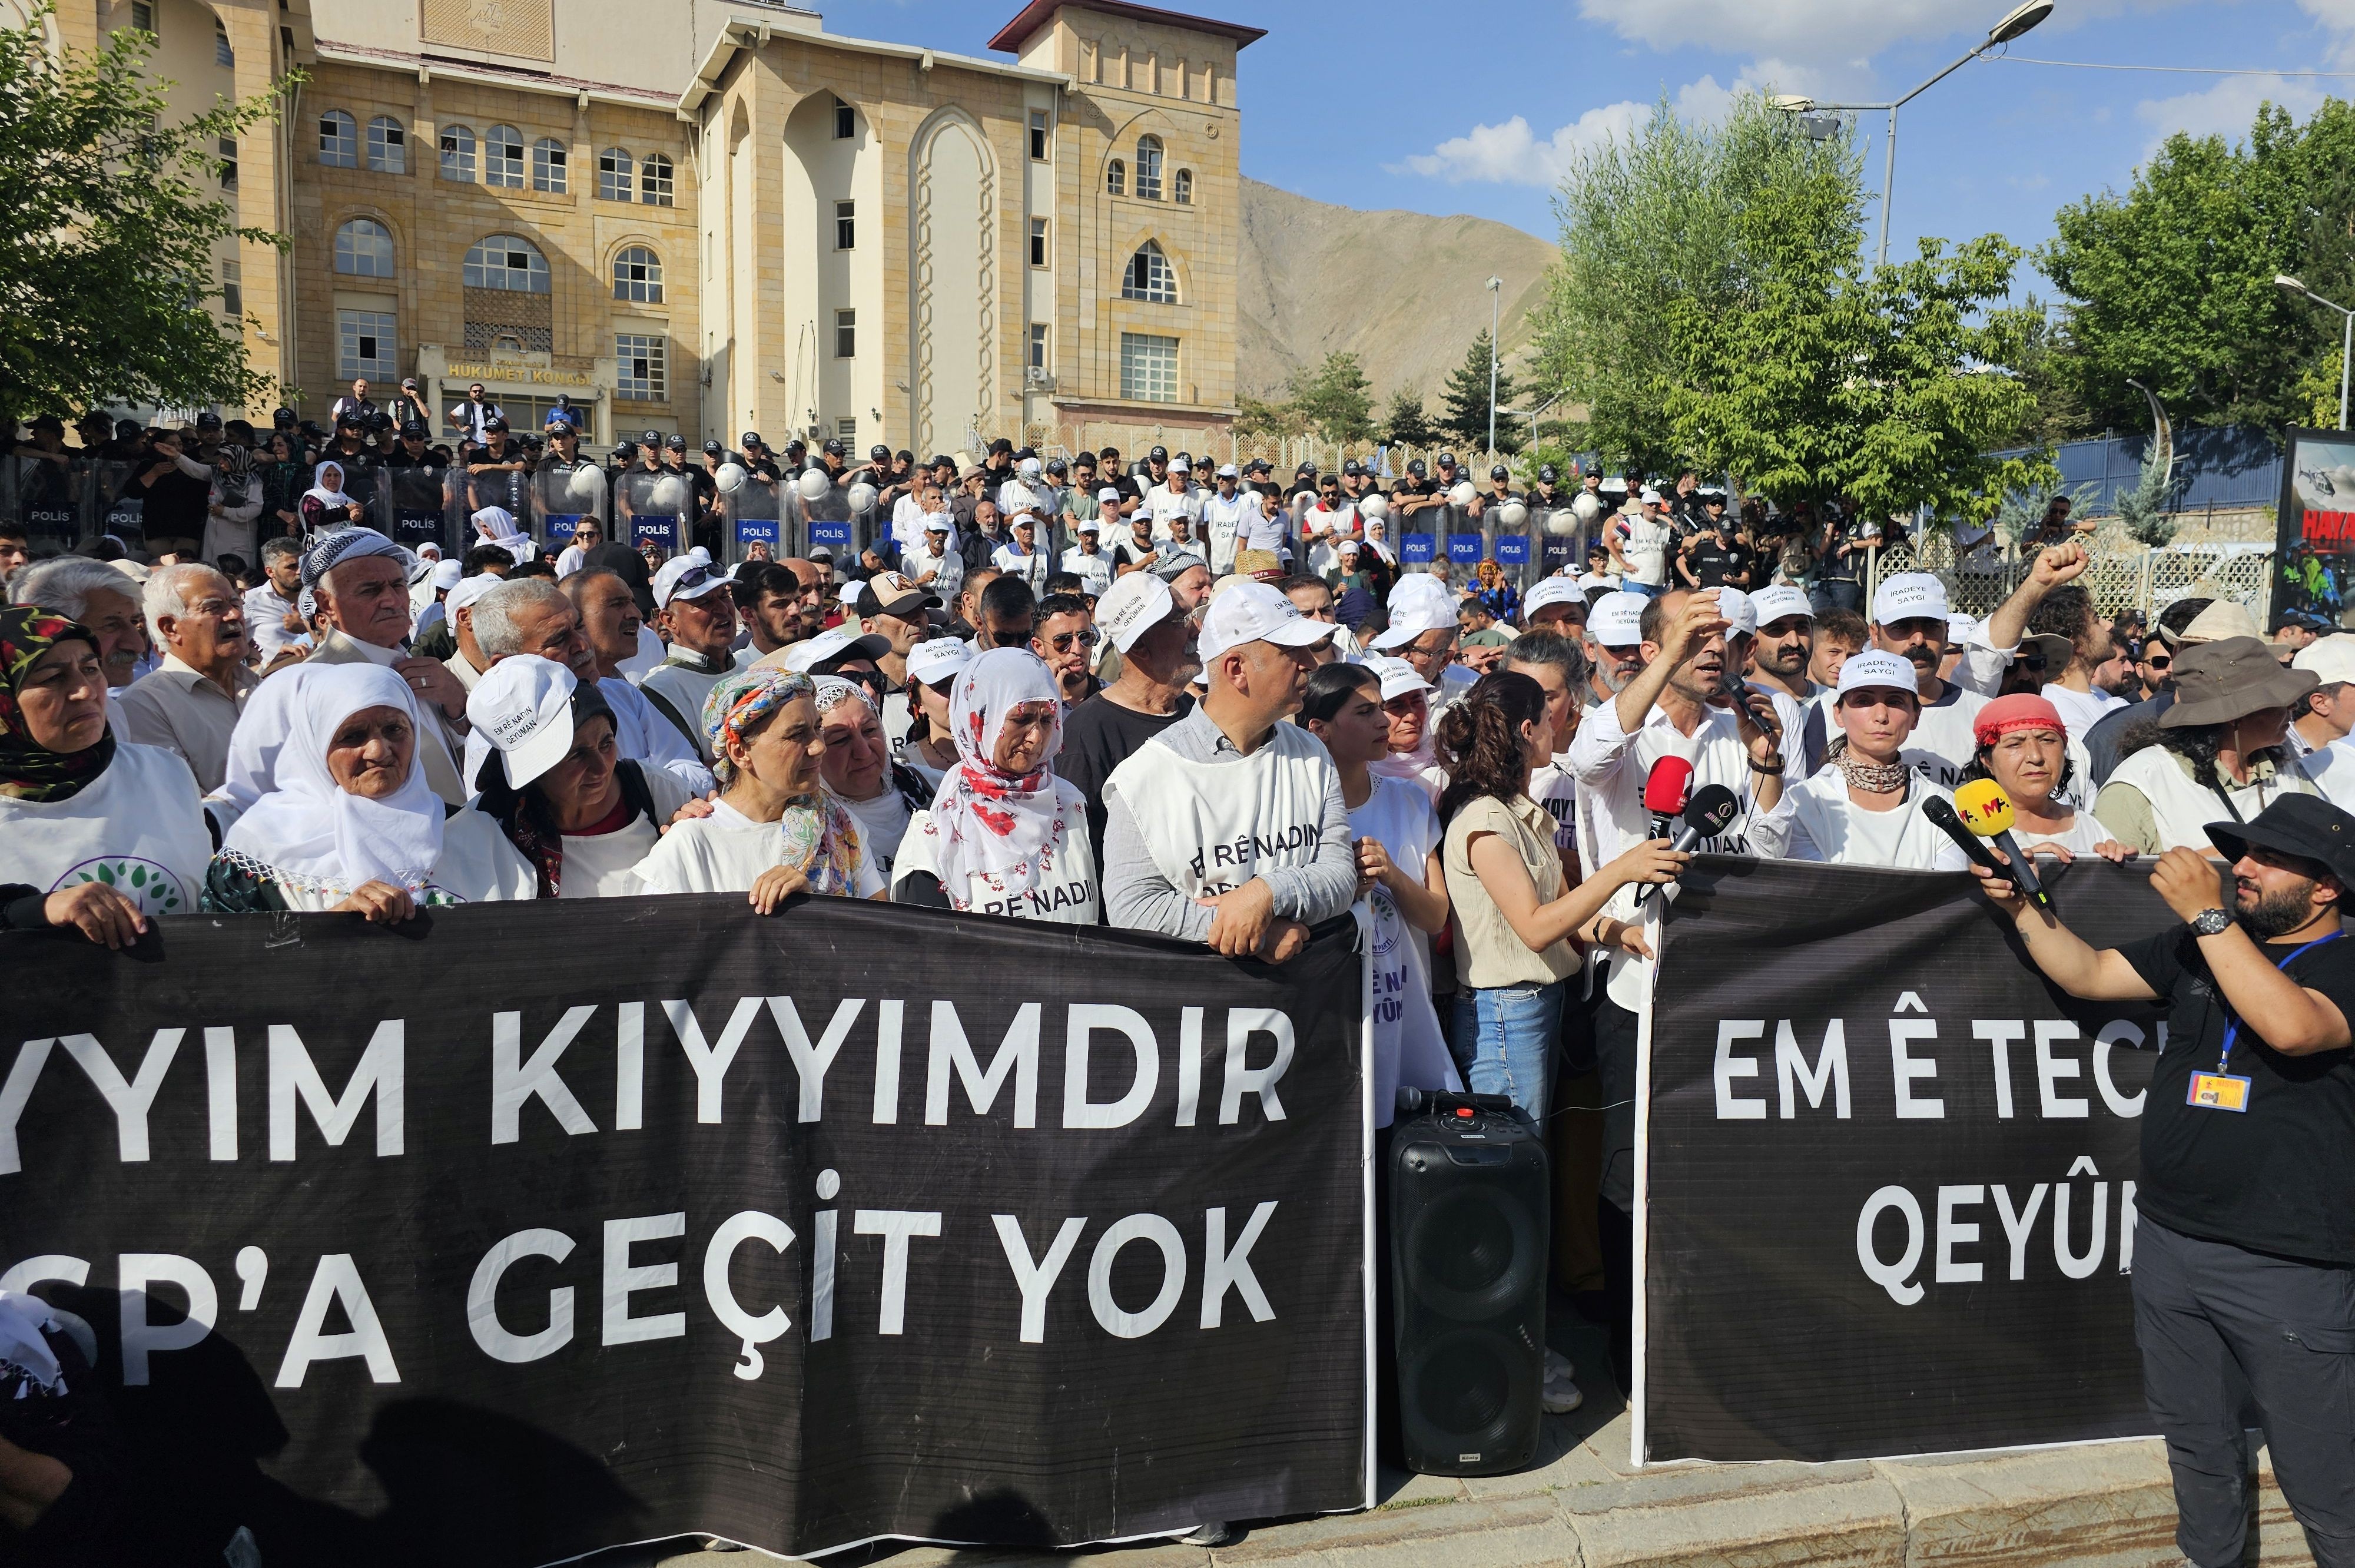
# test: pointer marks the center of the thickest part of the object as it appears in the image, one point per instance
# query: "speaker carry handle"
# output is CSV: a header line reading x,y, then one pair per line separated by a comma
x,y
1413,1102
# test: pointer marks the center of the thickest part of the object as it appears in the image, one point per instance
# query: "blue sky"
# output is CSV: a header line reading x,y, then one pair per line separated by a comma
x,y
1367,105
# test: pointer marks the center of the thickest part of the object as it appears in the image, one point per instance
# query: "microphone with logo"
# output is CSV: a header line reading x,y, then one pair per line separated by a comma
x,y
1985,810
1941,813
1710,811
1664,788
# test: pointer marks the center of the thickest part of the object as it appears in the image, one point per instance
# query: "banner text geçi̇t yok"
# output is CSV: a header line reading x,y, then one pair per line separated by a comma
x,y
645,1217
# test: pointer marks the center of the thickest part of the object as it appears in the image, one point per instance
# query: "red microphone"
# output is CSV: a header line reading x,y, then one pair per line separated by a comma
x,y
1664,788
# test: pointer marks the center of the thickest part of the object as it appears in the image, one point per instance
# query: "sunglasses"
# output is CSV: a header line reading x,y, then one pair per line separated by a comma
x,y
1087,637
2161,661
2031,661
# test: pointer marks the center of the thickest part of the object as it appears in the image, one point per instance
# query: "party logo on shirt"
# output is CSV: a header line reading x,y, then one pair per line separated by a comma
x,y
146,884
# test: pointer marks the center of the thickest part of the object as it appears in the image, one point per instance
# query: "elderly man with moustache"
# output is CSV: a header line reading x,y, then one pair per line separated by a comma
x,y
190,703
100,598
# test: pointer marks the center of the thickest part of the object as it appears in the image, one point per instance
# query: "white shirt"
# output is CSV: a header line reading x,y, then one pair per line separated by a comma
x,y
725,853
1223,518
1263,532
908,524
137,826
1408,1046
2332,769
882,824
684,689
1016,495
1816,820
605,865
1093,570
1161,504
477,865
2081,710
947,567
571,559
1645,548
264,610
1033,567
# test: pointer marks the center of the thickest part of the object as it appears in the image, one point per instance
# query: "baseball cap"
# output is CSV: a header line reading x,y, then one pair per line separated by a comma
x,y
1159,454
832,648
448,574
1057,465
1910,595
686,576
1255,612
676,442
495,422
1023,520
1088,525
1171,567
1648,497
650,438
935,659
1227,471
1779,601
1874,669
1551,591
1547,473
713,449
749,438
878,454
1616,620
1109,496
1447,460
1414,466
1349,467
2332,658
523,708
892,594
1741,616
469,589
1413,620
1500,472
1398,678
1132,606
833,447
1179,465
414,427
937,523
1031,468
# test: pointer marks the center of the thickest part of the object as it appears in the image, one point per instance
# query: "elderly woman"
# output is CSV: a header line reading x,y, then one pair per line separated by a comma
x,y
349,824
1406,704
543,754
496,526
2023,745
881,795
327,506
2218,754
774,831
95,834
1005,835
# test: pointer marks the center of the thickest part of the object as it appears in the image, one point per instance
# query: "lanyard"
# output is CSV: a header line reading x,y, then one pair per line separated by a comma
x,y
2232,1028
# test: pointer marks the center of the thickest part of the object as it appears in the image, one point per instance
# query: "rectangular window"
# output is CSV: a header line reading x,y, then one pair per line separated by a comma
x,y
645,367
613,175
846,334
1039,135
549,167
1037,346
845,120
846,226
365,345
233,290
846,428
223,54
1148,367
228,145
1038,242
143,14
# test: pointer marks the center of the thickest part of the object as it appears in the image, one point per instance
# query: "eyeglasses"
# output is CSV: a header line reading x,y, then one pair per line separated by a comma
x,y
1086,637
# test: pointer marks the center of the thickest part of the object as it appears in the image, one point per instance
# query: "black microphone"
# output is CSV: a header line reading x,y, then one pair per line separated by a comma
x,y
1710,811
1942,817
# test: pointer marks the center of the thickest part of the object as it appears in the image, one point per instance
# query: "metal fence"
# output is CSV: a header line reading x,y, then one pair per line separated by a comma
x,y
2120,577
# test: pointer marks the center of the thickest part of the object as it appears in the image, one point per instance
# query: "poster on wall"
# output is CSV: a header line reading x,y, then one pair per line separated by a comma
x,y
2314,549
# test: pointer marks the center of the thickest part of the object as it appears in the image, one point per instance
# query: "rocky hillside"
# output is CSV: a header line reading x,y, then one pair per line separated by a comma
x,y
1401,290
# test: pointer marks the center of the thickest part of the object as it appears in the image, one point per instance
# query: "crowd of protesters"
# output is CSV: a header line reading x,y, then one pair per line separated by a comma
x,y
1228,712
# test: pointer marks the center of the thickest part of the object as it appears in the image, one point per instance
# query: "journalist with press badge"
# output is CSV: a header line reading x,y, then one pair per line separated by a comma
x,y
2245,1251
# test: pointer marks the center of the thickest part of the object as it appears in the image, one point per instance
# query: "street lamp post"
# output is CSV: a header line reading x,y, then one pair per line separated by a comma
x,y
2016,22
2290,285
1495,306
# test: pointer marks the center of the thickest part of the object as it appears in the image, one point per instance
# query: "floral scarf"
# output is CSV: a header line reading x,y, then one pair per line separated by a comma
x,y
815,834
29,771
996,836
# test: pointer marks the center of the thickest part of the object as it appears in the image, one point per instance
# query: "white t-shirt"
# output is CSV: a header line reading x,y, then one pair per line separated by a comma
x,y
265,613
947,568
2085,833
2081,710
605,865
725,853
1644,547
1408,1046
1033,569
1161,505
1816,820
882,824
1093,570
1222,526
137,827
571,559
2332,769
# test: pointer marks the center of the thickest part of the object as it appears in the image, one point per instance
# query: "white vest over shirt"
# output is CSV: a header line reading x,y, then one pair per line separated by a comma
x,y
1212,827
2183,809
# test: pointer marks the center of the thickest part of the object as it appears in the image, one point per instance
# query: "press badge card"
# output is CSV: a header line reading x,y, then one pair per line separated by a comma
x,y
2218,1092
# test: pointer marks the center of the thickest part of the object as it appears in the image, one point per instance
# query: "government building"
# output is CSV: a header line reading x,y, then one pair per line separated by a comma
x,y
711,216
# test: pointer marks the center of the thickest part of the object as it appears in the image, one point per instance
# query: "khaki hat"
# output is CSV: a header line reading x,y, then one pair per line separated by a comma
x,y
2220,621
2218,682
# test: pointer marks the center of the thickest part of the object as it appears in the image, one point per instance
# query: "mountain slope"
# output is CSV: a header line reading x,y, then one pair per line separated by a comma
x,y
1403,290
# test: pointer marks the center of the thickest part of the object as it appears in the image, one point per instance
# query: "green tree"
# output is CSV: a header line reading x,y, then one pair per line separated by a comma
x,y
1260,416
1405,423
1335,401
1466,398
108,289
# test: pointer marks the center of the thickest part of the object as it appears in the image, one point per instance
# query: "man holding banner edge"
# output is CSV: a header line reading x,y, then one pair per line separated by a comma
x,y
2242,1263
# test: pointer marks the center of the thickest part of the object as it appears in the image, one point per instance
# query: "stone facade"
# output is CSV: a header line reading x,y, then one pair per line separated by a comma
x,y
866,240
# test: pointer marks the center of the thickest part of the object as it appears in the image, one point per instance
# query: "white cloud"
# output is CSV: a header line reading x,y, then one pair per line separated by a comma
x,y
2227,109
1511,154
1818,36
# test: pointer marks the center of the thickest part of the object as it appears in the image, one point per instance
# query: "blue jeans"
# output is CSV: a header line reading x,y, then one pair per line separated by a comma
x,y
1649,590
1837,593
1505,1040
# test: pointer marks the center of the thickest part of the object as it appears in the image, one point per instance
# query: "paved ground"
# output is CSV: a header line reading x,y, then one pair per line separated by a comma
x,y
1584,1506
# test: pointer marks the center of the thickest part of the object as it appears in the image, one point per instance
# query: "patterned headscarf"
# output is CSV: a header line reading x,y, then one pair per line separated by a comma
x,y
995,836
815,835
29,771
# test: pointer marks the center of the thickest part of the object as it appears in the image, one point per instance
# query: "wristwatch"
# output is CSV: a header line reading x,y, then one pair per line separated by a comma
x,y
2212,922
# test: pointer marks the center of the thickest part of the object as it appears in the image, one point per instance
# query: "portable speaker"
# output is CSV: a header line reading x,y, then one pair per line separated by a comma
x,y
1469,1231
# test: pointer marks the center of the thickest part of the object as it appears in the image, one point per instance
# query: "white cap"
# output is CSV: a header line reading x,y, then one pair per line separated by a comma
x,y
833,644
1109,496
1132,606
523,708
1414,621
470,589
1032,468
1345,546
1397,676
1741,618
1908,596
1088,525
2331,657
1962,630
689,576
448,574
1549,592
1420,587
1649,497
1616,620
1874,669
1227,471
1255,612
1019,519
1780,602
1179,465
938,522
935,659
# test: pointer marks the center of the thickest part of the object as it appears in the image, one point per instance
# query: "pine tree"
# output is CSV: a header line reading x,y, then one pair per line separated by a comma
x,y
1336,399
1467,398
1406,424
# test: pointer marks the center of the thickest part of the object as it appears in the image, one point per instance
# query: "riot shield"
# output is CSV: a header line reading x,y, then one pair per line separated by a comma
x,y
48,497
412,506
117,514
754,515
563,498
508,489
827,522
653,507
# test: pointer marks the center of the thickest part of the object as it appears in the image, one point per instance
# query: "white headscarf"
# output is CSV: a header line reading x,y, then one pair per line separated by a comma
x,y
319,491
308,831
496,526
990,832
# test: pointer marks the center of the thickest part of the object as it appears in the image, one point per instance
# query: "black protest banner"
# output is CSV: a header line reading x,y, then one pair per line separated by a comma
x,y
616,1219
1889,1170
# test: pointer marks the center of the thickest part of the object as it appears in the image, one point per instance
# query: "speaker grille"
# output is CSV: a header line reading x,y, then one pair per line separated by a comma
x,y
1470,1389
1473,1251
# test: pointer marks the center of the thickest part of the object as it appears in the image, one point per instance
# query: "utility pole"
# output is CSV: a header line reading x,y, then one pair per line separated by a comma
x,y
1495,306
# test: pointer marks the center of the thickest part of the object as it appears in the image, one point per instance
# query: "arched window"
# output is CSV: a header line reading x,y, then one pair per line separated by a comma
x,y
548,161
1181,188
637,275
1148,167
654,185
458,154
506,261
363,249
1149,276
503,157
388,147
339,140
613,172
1116,177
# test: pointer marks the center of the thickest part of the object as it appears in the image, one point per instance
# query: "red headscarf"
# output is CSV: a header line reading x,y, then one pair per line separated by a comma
x,y
2020,710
